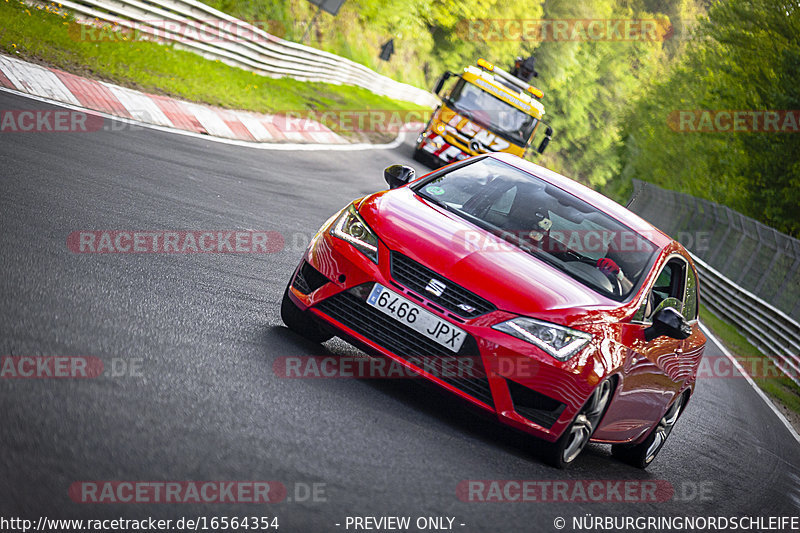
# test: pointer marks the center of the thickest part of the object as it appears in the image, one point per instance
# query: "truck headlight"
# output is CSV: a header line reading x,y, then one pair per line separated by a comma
x,y
351,227
560,342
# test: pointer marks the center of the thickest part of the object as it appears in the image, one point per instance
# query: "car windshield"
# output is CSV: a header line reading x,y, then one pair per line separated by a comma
x,y
493,113
546,221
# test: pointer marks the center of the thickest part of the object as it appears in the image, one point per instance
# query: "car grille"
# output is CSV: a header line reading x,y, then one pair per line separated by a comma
x,y
416,277
406,343
308,279
535,406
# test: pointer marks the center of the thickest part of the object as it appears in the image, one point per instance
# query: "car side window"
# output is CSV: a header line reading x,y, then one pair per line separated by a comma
x,y
690,300
644,310
667,291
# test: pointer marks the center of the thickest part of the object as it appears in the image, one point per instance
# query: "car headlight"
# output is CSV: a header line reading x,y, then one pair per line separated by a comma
x,y
351,227
559,341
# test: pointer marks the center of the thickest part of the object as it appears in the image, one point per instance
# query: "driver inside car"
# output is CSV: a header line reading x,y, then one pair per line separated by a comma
x,y
610,268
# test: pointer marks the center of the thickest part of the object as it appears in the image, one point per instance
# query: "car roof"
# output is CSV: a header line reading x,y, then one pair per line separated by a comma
x,y
592,197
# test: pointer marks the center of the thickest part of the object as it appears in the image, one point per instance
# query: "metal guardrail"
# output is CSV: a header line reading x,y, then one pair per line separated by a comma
x,y
749,272
197,27
775,333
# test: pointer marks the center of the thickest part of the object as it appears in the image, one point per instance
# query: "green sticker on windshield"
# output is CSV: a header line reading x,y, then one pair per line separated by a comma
x,y
435,190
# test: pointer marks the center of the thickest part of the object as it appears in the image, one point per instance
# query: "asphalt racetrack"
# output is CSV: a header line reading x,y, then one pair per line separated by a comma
x,y
195,337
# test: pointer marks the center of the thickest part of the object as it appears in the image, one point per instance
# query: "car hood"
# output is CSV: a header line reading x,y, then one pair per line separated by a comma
x,y
513,280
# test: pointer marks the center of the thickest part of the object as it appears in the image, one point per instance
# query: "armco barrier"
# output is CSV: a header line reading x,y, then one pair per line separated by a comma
x,y
749,272
777,335
194,26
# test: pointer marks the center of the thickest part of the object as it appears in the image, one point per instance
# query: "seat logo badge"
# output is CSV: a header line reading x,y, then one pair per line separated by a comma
x,y
435,287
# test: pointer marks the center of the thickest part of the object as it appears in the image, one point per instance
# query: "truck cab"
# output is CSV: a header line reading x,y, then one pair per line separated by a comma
x,y
486,110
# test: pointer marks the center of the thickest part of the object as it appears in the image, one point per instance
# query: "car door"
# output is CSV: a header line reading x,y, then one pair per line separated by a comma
x,y
653,370
693,346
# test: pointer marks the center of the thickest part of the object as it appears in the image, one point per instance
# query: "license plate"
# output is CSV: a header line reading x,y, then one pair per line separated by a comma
x,y
416,317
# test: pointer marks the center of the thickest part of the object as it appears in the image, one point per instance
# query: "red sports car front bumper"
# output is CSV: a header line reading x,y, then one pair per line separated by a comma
x,y
525,387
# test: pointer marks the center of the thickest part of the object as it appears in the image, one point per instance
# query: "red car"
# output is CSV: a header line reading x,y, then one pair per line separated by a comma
x,y
528,295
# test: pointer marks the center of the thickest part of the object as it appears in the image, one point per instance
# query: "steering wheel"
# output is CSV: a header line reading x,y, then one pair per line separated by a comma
x,y
612,271
615,281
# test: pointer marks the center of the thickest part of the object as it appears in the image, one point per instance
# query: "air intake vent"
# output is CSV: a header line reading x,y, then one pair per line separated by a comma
x,y
534,406
308,279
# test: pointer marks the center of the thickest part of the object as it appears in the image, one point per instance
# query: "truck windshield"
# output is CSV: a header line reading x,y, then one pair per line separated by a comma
x,y
551,224
490,112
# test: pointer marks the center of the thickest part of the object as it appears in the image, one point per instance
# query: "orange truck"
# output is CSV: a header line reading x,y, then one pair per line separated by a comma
x,y
486,110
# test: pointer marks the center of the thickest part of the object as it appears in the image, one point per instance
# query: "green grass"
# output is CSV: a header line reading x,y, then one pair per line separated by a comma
x,y
46,36
780,388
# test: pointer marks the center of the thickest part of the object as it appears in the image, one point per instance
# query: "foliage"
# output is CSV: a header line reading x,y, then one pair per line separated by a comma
x,y
747,58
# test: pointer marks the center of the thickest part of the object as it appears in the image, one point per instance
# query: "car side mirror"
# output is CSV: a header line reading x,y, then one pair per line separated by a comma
x,y
668,322
547,135
398,175
440,84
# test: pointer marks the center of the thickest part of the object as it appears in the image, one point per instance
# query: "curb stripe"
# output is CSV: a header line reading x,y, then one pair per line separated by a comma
x,y
4,81
36,80
140,106
273,131
280,147
212,122
69,89
235,125
178,115
92,94
256,129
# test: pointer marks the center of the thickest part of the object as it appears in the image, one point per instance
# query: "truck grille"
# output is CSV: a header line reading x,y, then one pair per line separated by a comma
x,y
406,343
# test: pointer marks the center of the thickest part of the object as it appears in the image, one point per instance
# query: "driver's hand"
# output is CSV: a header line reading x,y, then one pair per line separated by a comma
x,y
608,266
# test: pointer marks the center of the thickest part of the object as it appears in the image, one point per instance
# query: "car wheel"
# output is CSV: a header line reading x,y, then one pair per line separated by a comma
x,y
642,454
575,438
300,321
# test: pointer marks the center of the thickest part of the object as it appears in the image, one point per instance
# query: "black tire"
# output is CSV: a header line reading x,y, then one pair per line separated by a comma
x,y
566,449
420,156
641,455
429,160
301,322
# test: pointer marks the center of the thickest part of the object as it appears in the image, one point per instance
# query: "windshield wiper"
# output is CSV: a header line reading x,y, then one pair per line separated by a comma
x,y
440,203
